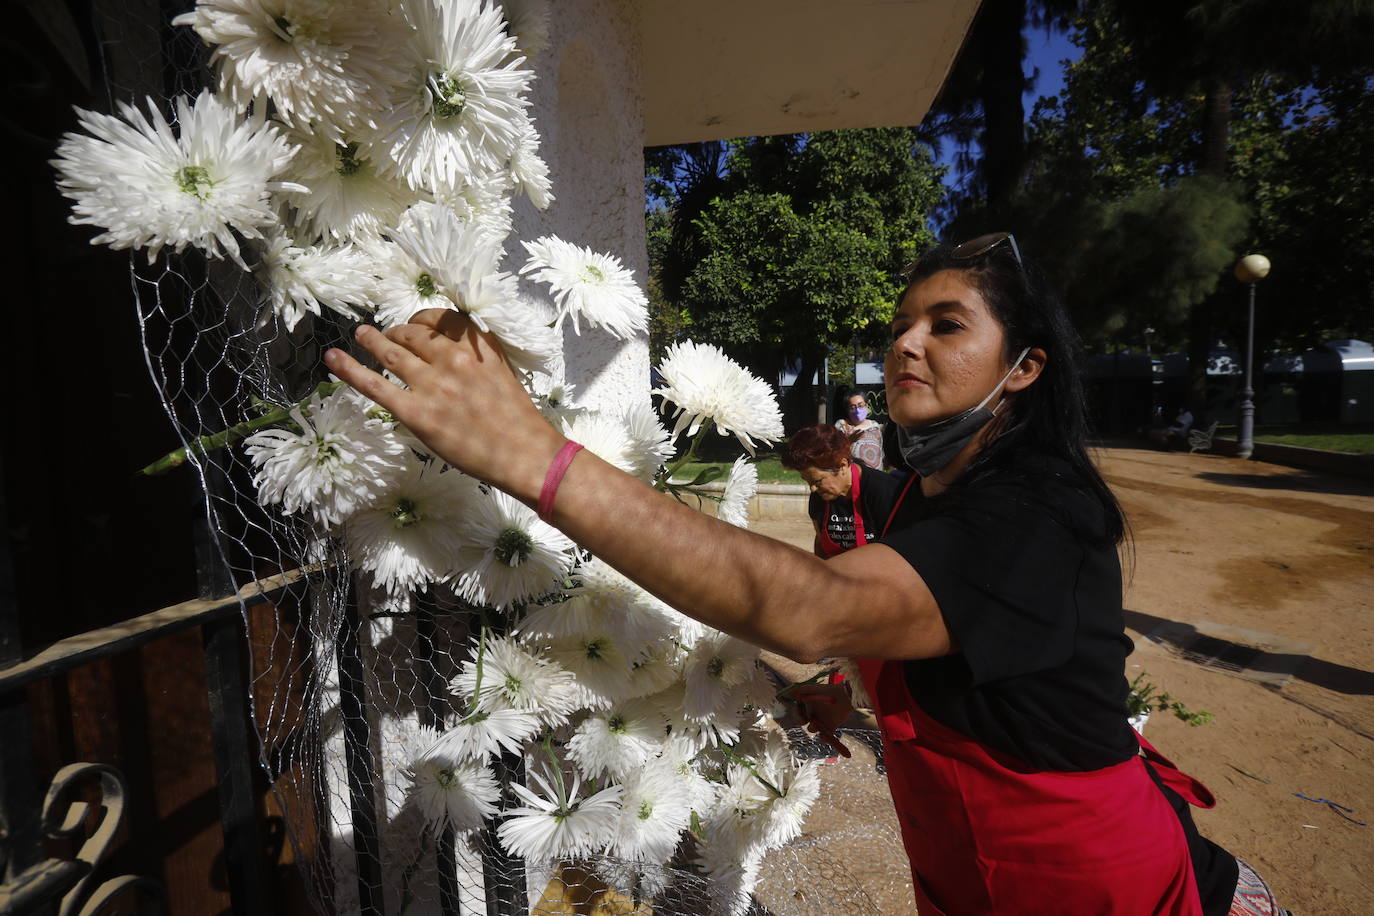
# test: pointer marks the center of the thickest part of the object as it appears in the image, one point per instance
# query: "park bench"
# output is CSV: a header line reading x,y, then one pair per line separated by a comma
x,y
1201,439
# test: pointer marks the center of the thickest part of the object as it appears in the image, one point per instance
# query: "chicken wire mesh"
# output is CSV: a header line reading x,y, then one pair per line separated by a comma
x,y
346,678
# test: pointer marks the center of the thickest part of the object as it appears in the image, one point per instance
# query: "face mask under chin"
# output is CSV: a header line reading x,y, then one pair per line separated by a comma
x,y
929,448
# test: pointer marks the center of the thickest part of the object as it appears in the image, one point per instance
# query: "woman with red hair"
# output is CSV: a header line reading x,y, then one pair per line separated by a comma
x,y
849,500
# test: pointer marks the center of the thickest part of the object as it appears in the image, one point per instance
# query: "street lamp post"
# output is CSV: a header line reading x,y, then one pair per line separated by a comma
x,y
1249,270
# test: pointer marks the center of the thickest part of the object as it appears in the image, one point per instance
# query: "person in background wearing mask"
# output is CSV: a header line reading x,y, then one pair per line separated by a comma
x,y
986,618
865,435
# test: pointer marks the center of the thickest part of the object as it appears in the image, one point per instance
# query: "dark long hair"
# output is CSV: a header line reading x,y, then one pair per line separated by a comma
x,y
1049,416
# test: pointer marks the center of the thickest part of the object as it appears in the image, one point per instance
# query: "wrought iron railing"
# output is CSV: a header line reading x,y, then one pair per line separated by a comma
x,y
35,884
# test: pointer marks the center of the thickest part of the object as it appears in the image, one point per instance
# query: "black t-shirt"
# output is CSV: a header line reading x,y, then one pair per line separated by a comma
x,y
877,492
1030,590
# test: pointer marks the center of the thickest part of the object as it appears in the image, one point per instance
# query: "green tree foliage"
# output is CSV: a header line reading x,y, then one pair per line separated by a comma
x,y
1124,202
1313,193
980,107
791,247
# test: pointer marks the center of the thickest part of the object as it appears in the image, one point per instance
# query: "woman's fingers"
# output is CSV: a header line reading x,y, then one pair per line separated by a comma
x,y
399,358
447,321
372,384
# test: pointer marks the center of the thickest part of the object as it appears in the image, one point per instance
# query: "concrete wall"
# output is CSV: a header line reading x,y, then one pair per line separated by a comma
x,y
588,106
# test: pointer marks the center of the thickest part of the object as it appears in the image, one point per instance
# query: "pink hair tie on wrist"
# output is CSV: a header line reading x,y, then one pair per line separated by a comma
x,y
557,468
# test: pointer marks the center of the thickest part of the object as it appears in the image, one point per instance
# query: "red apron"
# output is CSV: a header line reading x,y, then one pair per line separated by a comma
x,y
988,836
828,546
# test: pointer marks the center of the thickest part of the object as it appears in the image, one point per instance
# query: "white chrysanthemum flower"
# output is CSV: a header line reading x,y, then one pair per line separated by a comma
x,y
737,819
529,171
717,663
300,279
705,384
604,601
529,23
402,287
588,285
460,260
484,202
688,630
557,403
345,196
604,436
731,876
655,808
338,461
379,417
782,816
679,755
612,742
697,734
661,667
549,827
651,444
764,801
511,554
740,487
408,537
148,188
459,256
513,678
482,734
459,108
854,678
451,793
325,64
753,695
600,664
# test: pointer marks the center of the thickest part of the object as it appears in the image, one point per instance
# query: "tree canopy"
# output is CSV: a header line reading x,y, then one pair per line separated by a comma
x,y
787,246
1125,198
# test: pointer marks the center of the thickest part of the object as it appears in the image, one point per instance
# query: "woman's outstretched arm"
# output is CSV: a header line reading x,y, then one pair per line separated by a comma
x,y
466,405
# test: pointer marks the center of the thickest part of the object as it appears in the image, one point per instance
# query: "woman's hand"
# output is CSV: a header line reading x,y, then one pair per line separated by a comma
x,y
462,398
824,708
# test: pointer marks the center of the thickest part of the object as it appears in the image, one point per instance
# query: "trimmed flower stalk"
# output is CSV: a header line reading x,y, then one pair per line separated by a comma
x,y
203,445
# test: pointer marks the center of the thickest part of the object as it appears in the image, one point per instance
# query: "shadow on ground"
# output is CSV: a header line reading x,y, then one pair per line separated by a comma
x,y
1315,671
1293,480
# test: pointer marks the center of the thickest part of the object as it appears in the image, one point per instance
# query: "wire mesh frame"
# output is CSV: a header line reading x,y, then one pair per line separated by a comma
x,y
339,683
369,661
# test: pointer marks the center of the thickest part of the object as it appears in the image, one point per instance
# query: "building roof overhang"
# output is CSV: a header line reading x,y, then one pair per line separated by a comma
x,y
714,69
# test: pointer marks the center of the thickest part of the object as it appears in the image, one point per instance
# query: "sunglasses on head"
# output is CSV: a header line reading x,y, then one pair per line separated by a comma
x,y
976,248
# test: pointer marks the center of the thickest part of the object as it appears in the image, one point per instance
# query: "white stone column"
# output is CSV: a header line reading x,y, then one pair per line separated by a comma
x,y
588,105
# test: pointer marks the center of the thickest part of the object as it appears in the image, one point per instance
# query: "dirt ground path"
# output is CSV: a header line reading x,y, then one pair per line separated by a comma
x,y
1266,558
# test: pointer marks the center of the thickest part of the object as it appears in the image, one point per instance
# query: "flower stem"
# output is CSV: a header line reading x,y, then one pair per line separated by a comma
x,y
667,475
239,431
557,768
753,768
814,679
481,651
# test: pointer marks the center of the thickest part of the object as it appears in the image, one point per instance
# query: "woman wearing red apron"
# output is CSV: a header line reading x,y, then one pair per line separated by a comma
x,y
990,605
848,499
1018,786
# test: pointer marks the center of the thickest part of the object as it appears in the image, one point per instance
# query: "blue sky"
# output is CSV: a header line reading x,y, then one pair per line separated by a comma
x,y
1045,50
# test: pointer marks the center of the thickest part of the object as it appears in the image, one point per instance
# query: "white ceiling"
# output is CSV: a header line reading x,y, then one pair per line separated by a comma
x,y
729,68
